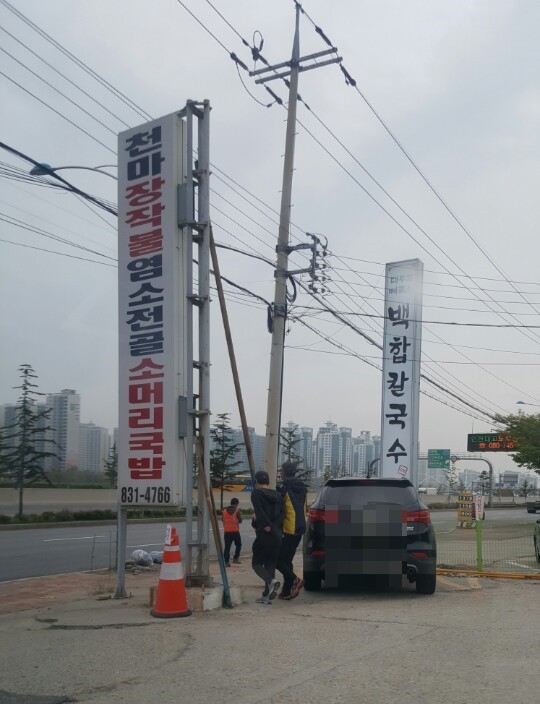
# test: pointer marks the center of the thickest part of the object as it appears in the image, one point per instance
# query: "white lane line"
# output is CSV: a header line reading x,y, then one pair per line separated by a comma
x,y
518,564
86,537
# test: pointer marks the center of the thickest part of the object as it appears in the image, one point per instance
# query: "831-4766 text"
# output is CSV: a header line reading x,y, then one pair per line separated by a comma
x,y
150,495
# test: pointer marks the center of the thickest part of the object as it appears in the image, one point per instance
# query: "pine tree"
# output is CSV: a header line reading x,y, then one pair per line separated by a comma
x,y
483,481
289,440
222,454
111,466
20,459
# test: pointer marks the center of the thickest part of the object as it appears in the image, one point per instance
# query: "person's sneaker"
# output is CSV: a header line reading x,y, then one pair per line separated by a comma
x,y
273,589
263,600
297,586
236,561
284,595
227,564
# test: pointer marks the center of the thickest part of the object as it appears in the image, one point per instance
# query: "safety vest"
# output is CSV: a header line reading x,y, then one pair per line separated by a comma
x,y
230,521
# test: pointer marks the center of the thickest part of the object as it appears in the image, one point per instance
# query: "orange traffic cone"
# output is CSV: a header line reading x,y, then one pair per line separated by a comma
x,y
171,598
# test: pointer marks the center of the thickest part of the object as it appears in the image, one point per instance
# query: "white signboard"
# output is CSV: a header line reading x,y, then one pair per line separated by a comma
x,y
401,370
152,327
479,506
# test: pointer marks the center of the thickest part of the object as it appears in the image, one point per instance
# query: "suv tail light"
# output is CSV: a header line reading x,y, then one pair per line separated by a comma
x,y
316,514
324,515
419,517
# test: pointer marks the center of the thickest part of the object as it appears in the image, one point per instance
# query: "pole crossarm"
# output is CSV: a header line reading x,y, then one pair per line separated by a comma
x,y
259,71
300,69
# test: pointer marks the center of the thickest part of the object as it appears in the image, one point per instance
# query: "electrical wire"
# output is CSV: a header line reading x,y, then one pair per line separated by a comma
x,y
419,171
81,64
57,112
75,85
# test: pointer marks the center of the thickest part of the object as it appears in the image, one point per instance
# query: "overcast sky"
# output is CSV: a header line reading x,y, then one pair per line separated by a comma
x,y
456,82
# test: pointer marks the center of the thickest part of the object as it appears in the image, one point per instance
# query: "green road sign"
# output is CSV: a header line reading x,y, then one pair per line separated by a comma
x,y
438,459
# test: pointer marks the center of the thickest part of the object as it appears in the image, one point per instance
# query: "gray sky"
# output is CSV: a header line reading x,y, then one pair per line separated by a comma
x,y
457,83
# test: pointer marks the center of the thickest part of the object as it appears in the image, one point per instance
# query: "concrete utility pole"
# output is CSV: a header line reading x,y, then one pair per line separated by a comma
x,y
273,415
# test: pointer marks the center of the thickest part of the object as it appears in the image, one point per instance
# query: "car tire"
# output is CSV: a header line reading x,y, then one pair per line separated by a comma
x,y
426,583
312,581
536,551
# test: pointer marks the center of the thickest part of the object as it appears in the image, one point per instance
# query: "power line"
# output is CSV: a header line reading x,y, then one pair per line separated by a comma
x,y
43,102
81,64
439,197
75,85
520,329
57,90
44,233
61,254
97,201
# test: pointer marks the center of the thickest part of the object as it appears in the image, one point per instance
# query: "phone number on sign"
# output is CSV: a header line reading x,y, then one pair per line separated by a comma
x,y
151,495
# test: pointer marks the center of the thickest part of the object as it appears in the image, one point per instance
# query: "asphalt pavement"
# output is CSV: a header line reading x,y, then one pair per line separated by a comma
x,y
37,552
33,553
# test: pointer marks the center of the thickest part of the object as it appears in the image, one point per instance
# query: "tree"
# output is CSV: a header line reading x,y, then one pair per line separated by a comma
x,y
111,466
526,488
483,480
461,486
525,429
20,459
289,440
223,453
334,470
451,478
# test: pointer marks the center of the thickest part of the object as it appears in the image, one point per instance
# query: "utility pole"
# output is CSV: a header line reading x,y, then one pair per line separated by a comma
x,y
273,414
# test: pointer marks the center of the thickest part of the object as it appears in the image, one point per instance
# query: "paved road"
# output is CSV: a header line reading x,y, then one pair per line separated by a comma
x,y
32,553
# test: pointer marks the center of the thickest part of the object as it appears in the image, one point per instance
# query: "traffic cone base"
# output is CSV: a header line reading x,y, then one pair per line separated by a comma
x,y
171,600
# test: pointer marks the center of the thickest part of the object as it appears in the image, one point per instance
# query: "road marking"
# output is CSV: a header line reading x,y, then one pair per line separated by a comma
x,y
518,564
86,537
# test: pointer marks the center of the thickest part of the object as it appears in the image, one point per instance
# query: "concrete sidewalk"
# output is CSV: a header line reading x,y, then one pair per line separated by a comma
x,y
99,586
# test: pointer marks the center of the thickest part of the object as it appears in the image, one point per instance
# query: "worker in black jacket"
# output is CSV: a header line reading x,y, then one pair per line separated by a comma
x,y
267,521
294,493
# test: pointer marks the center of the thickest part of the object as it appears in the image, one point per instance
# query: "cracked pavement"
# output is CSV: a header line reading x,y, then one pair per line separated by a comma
x,y
474,640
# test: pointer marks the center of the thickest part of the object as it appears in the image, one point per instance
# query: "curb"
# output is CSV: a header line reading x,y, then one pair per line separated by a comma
x,y
496,575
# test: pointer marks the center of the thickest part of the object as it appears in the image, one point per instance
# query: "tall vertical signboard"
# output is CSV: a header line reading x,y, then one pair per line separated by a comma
x,y
153,379
401,369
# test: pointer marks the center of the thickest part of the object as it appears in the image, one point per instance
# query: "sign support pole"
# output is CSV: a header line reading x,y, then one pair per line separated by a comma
x,y
121,531
479,558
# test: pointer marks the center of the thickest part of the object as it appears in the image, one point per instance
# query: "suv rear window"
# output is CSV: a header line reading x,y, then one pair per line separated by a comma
x,y
361,495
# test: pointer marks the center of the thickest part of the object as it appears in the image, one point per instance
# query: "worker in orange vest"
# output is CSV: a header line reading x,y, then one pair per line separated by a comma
x,y
232,518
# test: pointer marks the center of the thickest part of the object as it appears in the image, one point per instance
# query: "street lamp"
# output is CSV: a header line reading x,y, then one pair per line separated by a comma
x,y
45,169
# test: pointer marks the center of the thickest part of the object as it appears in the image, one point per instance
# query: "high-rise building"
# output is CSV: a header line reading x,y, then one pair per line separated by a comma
x,y
93,447
332,449
257,448
64,421
363,454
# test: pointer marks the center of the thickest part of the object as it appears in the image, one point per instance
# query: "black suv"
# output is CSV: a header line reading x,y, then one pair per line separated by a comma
x,y
369,527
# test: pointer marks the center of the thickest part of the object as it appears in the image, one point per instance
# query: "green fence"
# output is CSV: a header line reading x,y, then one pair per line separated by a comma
x,y
491,547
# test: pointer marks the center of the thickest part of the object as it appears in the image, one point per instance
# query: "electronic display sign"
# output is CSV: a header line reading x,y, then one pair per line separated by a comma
x,y
490,442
